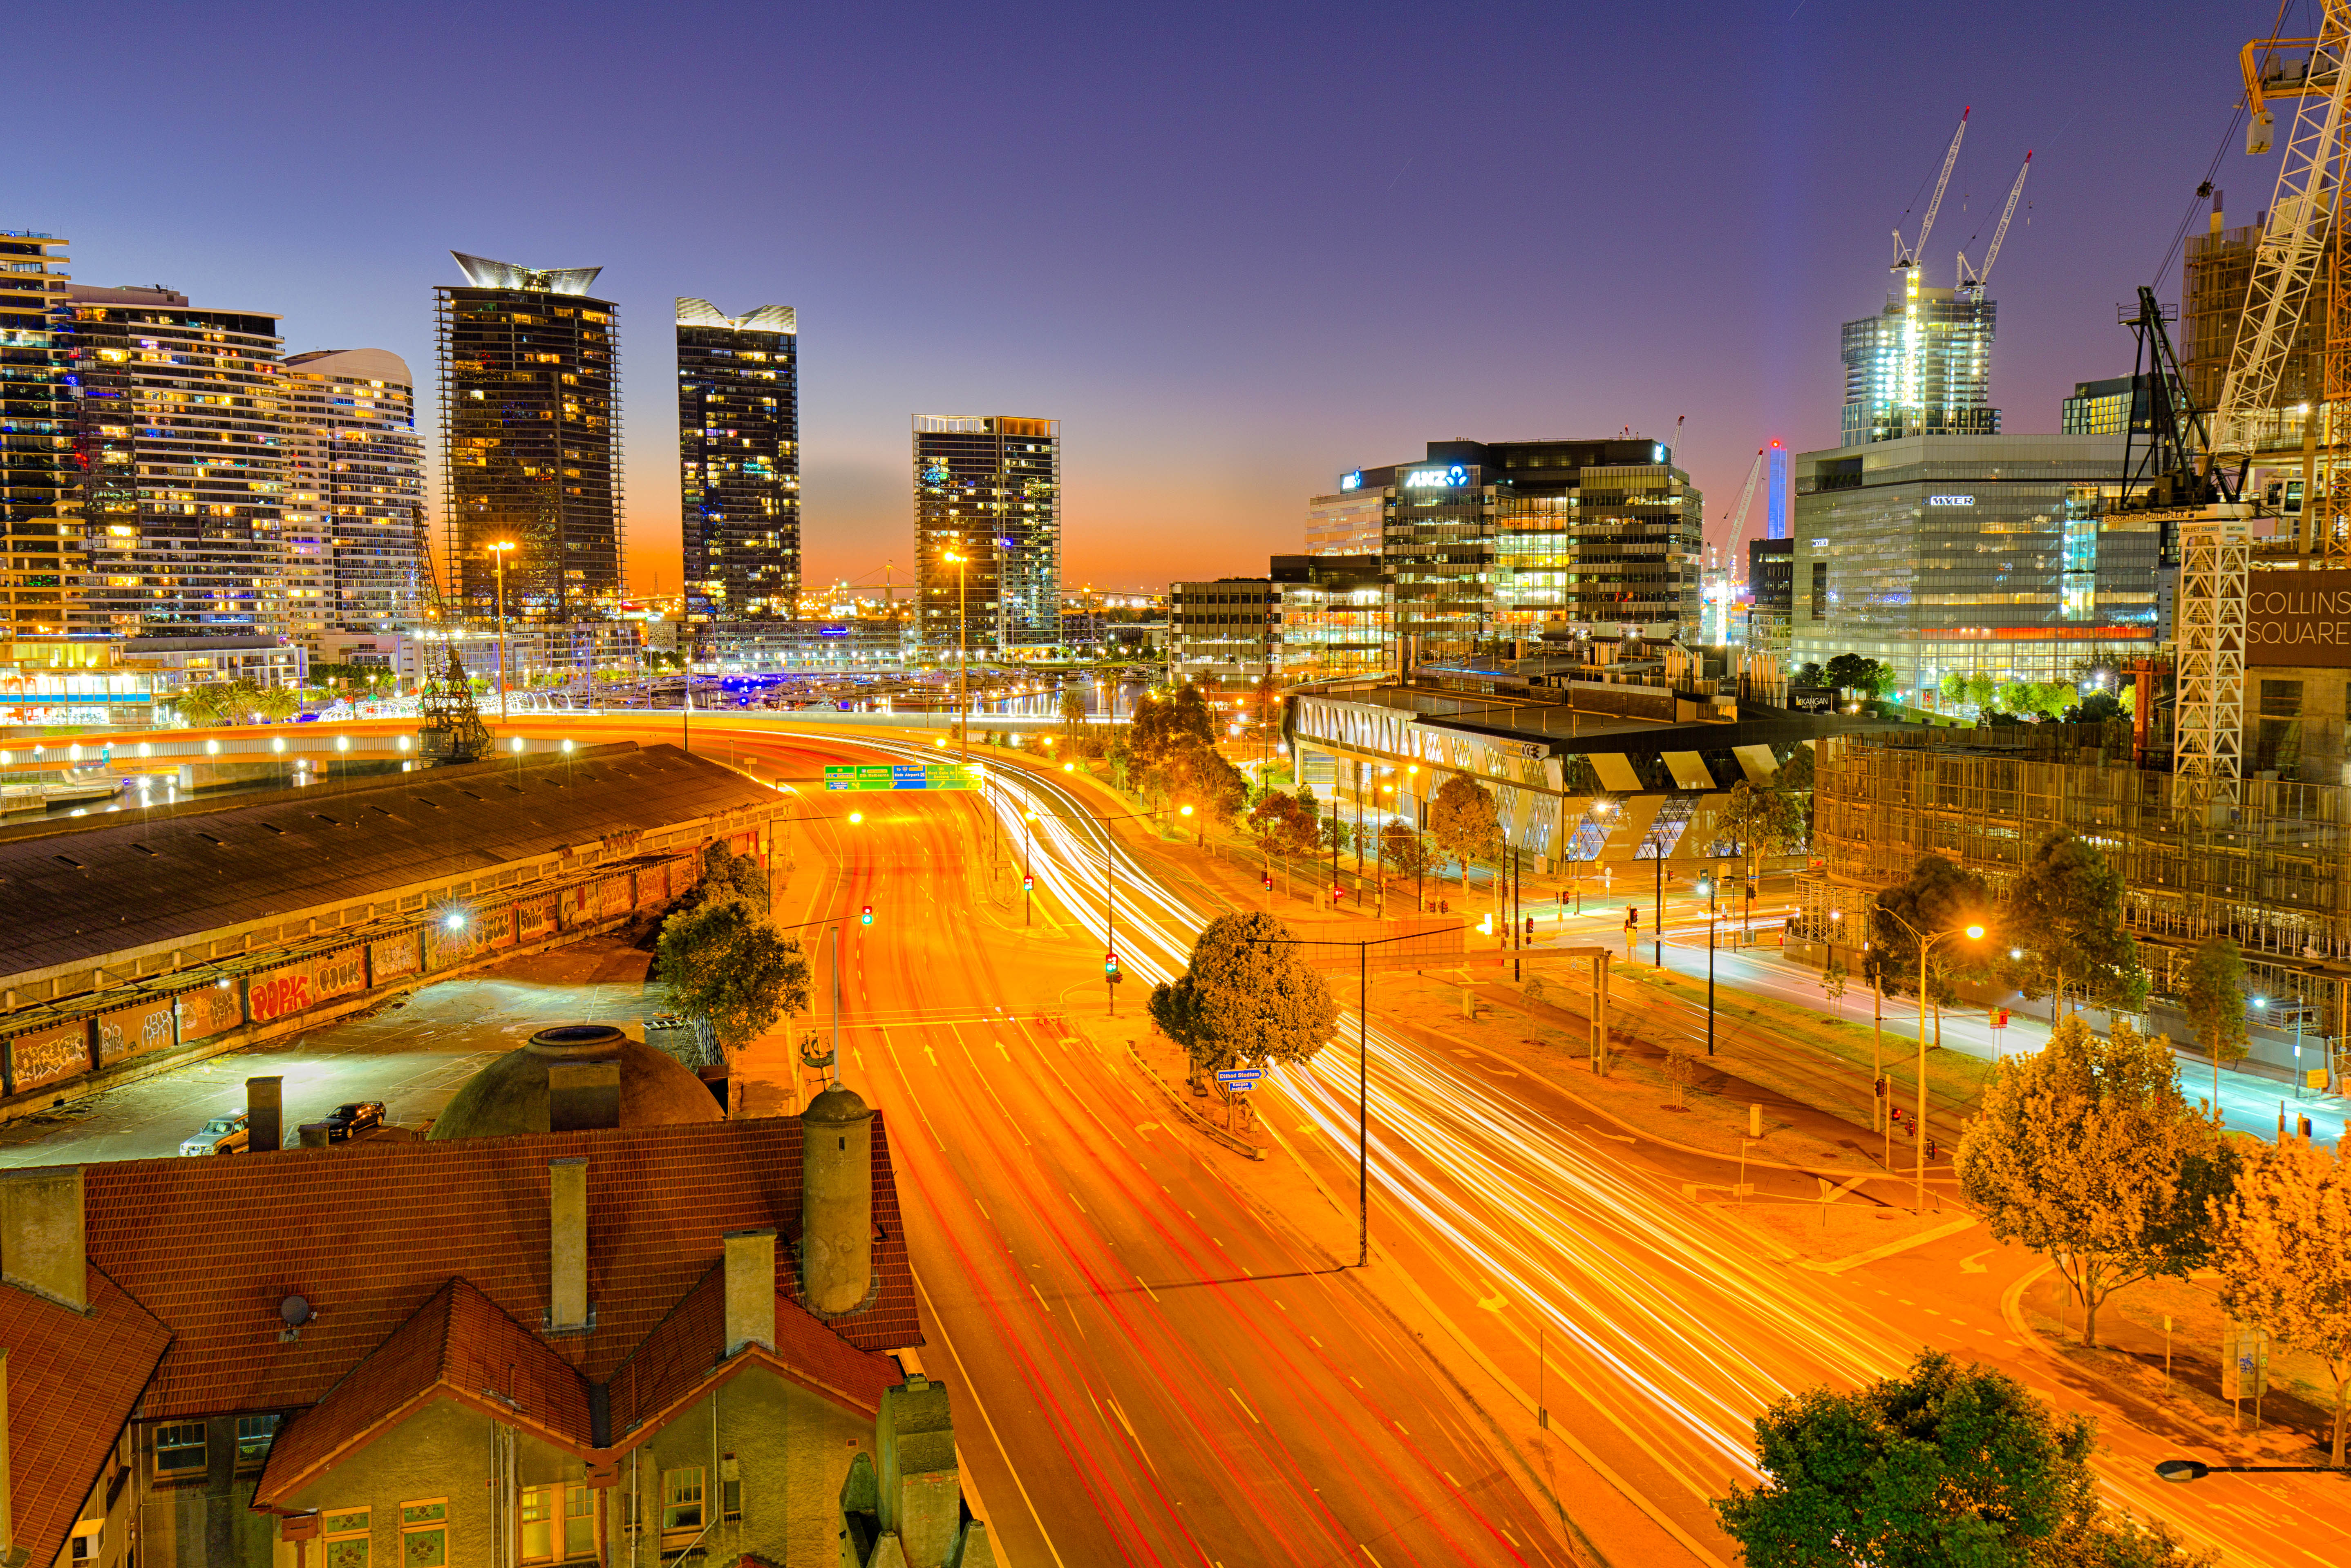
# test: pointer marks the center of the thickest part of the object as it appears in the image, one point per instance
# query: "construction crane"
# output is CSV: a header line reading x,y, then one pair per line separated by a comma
x,y
1906,257
1738,514
1971,282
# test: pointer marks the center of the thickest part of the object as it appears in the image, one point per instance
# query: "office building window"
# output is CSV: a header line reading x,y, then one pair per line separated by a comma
x,y
1820,590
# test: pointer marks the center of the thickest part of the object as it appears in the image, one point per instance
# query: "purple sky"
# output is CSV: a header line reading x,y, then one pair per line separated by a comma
x,y
1235,250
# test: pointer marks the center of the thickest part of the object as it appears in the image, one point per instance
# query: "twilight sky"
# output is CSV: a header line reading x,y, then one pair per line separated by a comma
x,y
1236,249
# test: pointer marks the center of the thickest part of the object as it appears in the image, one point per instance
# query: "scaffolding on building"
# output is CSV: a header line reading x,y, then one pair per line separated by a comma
x,y
2273,874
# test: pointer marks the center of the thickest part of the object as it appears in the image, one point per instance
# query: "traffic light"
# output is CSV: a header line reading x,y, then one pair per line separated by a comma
x,y
1026,882
1931,1151
1267,878
1110,965
866,919
1530,925
1633,918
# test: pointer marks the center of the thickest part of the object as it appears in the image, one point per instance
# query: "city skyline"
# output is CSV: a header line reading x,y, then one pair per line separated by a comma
x,y
1119,293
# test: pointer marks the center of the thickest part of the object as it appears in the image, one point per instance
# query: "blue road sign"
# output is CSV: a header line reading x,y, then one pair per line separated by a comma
x,y
1239,1077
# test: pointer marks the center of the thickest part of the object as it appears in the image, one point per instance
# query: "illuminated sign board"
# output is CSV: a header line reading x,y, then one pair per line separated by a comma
x,y
1437,478
2303,619
1950,501
899,775
1351,481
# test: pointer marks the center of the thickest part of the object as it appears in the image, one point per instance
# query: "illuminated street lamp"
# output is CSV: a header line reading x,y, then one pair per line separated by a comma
x,y
1926,941
1709,884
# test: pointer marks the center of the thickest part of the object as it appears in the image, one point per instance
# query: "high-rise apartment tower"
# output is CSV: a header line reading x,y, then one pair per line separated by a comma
x,y
40,525
183,448
989,489
1921,366
356,551
740,461
530,440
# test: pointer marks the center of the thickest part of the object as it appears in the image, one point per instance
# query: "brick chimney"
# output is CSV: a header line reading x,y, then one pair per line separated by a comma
x,y
265,1115
921,1486
566,1243
751,1288
41,1247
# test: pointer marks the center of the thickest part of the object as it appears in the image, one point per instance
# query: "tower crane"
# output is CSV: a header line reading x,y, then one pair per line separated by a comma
x,y
1906,257
1746,500
1970,281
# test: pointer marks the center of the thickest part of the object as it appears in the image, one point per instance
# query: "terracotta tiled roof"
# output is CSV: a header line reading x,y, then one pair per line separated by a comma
x,y
366,1234
691,1342
73,1381
458,1344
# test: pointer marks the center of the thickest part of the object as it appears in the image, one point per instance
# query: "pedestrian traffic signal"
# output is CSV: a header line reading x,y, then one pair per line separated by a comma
x,y
1530,925
1110,965
1931,1149
1267,878
1633,918
866,919
1026,882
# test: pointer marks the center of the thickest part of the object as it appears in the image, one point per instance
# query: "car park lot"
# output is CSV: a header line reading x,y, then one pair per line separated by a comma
x,y
412,1057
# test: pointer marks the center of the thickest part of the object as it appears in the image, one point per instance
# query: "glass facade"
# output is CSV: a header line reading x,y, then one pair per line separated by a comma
x,y
988,489
181,439
1226,630
1333,616
530,441
41,546
1485,541
356,545
1990,555
740,461
1920,366
1347,523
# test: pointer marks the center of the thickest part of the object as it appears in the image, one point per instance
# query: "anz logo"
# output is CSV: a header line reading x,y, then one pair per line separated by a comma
x,y
1437,478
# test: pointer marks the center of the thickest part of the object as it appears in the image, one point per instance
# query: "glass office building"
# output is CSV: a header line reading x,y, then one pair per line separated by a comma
x,y
1488,542
1921,366
740,461
181,439
41,558
1989,554
987,488
530,440
356,547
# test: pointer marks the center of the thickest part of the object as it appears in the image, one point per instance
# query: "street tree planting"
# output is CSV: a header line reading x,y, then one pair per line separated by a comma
x,y
1246,998
1464,822
2282,1256
2064,912
2214,1000
2087,1152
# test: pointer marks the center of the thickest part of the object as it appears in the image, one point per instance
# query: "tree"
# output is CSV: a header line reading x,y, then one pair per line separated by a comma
x,y
2214,1000
2282,1258
1466,822
1833,981
1939,897
2087,1152
2064,912
1246,998
1981,692
1281,825
1857,672
725,875
1681,1070
1767,821
1404,849
1809,674
1338,834
1073,707
1161,726
1949,1465
277,702
725,963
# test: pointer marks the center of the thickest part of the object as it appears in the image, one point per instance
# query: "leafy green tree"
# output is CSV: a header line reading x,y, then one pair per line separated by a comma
x,y
1073,707
1982,692
1809,674
2214,1000
2087,1152
277,702
202,707
1954,687
1948,1466
2282,1258
1246,998
1338,835
1405,850
1161,726
1857,673
1190,774
725,875
1281,825
1763,822
1939,896
723,963
2064,912
1465,821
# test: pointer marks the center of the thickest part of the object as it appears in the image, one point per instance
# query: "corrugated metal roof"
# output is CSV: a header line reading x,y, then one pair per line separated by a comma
x,y
92,886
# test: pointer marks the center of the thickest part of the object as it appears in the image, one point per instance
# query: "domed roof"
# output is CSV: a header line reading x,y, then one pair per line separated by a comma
x,y
839,1105
511,1095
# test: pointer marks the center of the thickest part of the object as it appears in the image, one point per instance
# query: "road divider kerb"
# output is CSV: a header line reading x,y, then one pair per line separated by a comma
x,y
1219,1135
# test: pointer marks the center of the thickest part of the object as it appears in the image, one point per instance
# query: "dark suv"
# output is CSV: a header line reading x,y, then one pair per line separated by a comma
x,y
355,1117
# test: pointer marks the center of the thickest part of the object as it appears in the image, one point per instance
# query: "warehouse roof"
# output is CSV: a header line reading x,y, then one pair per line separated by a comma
x,y
82,888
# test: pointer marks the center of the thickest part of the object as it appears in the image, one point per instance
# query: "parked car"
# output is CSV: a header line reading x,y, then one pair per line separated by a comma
x,y
222,1135
355,1117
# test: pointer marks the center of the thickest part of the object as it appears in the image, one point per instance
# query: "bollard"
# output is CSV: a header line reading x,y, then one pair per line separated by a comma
x,y
1755,1121
1468,1003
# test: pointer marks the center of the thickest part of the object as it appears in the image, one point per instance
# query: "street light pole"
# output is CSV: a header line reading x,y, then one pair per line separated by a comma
x,y
1710,884
1926,943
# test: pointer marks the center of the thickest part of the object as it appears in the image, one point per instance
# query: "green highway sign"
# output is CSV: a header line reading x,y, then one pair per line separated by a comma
x,y
899,775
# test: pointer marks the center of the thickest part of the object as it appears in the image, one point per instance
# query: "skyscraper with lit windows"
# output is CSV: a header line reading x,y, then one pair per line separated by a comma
x,y
1920,366
355,553
40,523
740,461
988,489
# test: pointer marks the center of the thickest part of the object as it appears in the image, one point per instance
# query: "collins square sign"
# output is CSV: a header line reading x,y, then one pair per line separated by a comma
x,y
2298,619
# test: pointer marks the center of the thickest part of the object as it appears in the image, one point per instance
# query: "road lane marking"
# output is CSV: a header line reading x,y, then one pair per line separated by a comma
x,y
1073,1198
1146,1288
1243,1404
986,1419
1456,1485
1040,1297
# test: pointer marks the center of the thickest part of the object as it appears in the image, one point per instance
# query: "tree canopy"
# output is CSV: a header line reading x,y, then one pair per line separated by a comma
x,y
2214,1000
1465,820
1282,824
1939,896
1763,822
1246,998
2087,1152
1404,849
1857,672
1949,1466
2064,912
2282,1256
724,963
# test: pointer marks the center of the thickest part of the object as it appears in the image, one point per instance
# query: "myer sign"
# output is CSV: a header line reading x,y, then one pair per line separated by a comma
x,y
1950,501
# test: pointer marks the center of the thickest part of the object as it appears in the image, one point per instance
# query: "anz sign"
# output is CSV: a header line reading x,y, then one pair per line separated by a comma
x,y
1437,478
